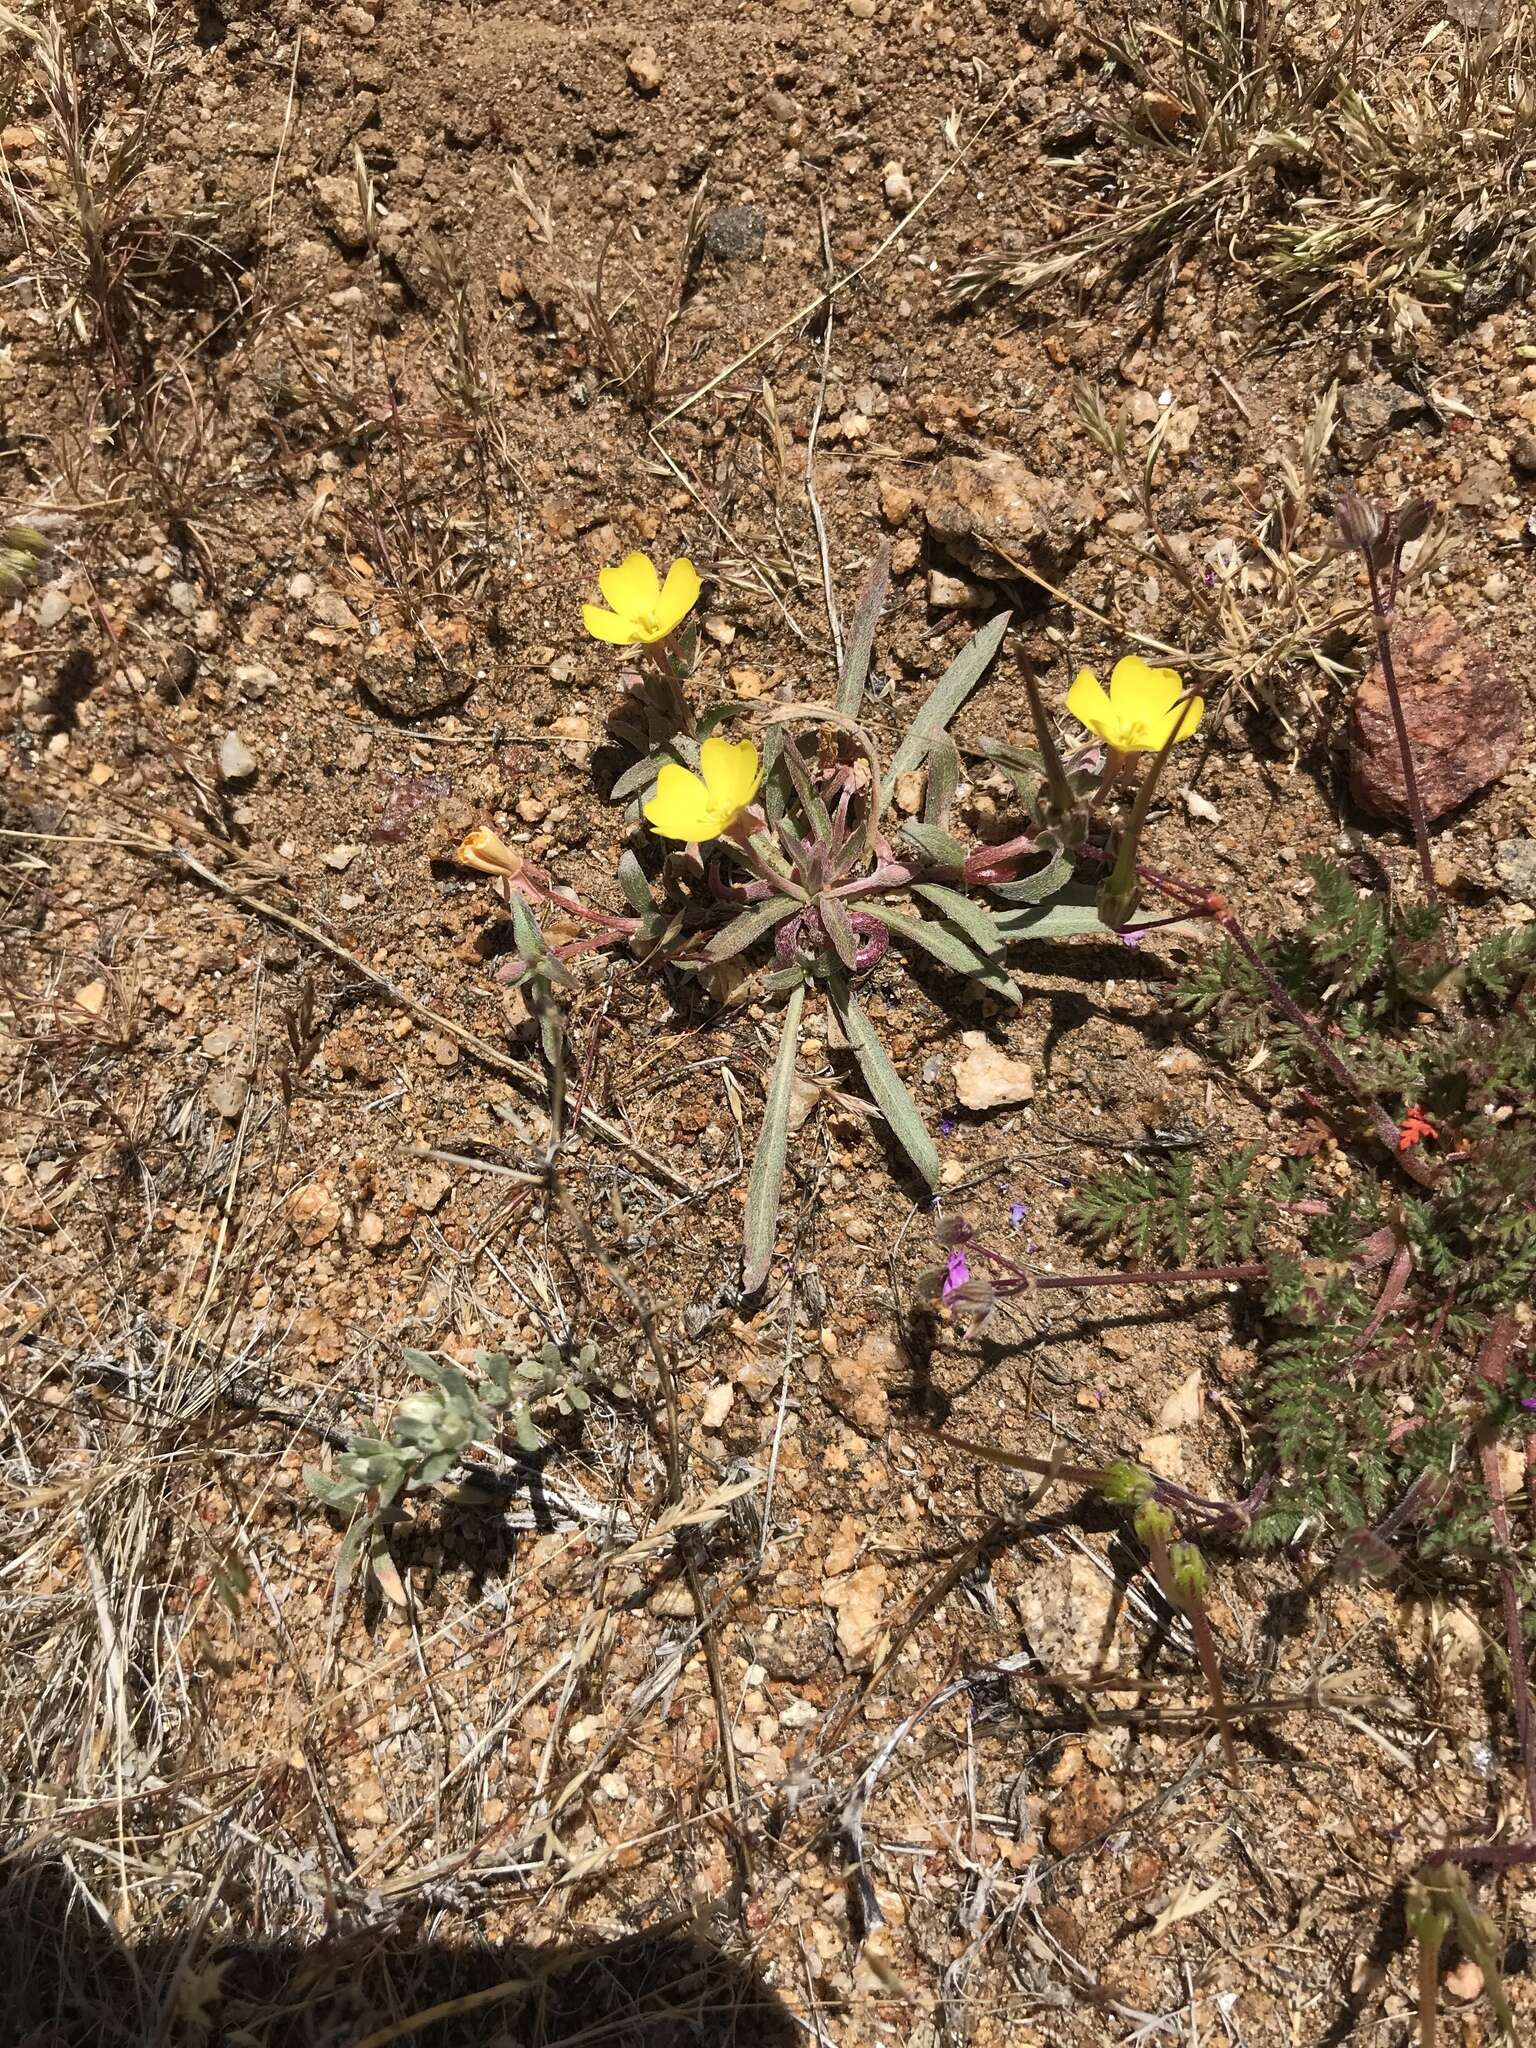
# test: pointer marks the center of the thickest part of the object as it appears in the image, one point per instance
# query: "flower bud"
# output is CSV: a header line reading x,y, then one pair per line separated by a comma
x,y
1154,1524
1190,1581
1361,521
484,851
1125,1485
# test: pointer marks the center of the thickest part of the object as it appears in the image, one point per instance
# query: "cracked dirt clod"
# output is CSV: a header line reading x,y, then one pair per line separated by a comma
x,y
984,510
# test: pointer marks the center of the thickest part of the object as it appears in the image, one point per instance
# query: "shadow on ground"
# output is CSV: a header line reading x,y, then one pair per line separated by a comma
x,y
68,1980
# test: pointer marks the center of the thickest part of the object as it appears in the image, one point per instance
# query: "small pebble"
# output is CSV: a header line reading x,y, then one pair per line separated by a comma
x,y
236,761
644,71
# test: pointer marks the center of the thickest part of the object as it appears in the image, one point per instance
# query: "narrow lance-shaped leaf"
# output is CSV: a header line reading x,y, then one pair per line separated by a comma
x,y
839,930
1052,921
943,780
948,694
530,942
382,1566
943,942
637,890
891,1093
747,927
765,1186
934,844
816,813
773,788
976,923
861,635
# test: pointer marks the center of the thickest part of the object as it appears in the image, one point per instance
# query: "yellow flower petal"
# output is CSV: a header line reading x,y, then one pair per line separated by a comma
x,y
679,594
631,588
1139,691
1189,724
682,807
605,626
1143,698
731,773
1089,706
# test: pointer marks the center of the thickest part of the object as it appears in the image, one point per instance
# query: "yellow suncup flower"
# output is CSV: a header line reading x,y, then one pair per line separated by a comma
x,y
643,608
1136,714
702,806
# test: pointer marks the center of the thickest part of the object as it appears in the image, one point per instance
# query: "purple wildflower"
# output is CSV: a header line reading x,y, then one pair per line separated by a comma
x,y
957,1274
947,1126
1016,1214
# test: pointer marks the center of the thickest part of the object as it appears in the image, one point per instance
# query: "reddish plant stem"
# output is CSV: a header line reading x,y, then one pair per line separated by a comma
x,y
1492,1364
1381,614
1205,1642
1171,1277
1175,1276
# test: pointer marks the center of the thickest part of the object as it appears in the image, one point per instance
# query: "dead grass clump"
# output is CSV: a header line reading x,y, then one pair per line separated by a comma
x,y
631,335
106,254
1240,126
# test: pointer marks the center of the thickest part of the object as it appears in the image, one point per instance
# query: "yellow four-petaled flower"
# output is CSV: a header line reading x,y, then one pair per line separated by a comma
x,y
644,608
702,806
1140,710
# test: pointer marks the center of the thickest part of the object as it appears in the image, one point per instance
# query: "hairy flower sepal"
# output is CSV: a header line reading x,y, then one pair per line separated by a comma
x,y
1154,1525
1125,1485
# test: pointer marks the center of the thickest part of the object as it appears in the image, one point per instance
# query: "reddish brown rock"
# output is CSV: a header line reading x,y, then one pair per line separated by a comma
x,y
1463,717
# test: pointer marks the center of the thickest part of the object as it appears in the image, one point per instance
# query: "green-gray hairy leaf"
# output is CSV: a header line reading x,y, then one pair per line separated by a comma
x,y
934,844
976,923
747,927
947,944
861,635
943,779
1054,876
765,1186
1057,920
637,890
949,693
887,1087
